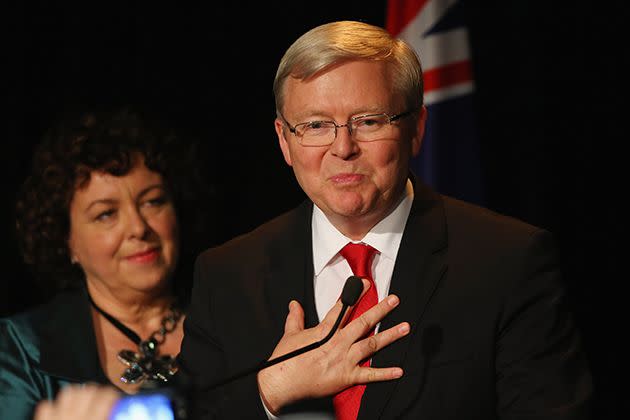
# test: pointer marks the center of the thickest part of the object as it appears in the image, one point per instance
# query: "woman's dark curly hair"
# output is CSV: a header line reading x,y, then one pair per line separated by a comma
x,y
106,141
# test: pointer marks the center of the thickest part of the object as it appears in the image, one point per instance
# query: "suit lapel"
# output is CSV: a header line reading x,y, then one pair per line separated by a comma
x,y
419,266
290,274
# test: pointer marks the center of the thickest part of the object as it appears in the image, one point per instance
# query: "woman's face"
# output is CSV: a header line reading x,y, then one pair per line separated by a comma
x,y
124,232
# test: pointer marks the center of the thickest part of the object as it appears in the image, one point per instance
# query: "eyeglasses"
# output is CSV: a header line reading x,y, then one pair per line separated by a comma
x,y
365,128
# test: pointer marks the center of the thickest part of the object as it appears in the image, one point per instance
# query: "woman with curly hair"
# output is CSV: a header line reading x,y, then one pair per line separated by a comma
x,y
97,220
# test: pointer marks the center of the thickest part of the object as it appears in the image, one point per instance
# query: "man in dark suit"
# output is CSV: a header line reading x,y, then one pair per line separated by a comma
x,y
471,320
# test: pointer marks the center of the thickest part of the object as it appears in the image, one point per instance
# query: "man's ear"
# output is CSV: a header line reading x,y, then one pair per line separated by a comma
x,y
416,141
282,141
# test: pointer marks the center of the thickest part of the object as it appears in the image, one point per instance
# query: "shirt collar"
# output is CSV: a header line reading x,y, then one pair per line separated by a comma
x,y
385,236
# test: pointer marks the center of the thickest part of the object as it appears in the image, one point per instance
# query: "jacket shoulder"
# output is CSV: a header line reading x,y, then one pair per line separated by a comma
x,y
29,327
277,233
460,214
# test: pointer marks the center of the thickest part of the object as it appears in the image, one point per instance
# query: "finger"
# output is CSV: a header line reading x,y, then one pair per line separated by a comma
x,y
365,348
76,399
80,400
44,411
333,314
366,286
366,375
68,396
295,318
103,403
364,323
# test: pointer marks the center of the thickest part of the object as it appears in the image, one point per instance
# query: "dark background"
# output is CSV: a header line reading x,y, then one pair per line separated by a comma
x,y
548,100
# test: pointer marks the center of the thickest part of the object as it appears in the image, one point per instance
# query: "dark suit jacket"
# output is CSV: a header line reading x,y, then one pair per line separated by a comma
x,y
492,336
43,350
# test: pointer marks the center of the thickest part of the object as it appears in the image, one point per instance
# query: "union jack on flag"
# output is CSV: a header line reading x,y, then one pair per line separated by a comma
x,y
449,158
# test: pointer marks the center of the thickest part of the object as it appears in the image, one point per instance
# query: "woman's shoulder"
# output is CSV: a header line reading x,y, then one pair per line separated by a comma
x,y
29,325
23,340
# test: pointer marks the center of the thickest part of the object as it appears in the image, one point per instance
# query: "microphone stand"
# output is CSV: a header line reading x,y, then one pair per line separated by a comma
x,y
351,291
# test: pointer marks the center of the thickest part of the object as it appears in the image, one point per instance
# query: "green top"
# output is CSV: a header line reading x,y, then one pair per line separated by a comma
x,y
45,349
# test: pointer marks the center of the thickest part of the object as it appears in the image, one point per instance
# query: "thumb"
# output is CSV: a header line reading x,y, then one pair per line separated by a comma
x,y
44,411
295,318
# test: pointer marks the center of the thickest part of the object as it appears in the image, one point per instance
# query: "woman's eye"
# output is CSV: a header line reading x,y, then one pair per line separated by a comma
x,y
105,215
155,202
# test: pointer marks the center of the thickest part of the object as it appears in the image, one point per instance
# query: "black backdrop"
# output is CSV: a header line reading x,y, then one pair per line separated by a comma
x,y
549,107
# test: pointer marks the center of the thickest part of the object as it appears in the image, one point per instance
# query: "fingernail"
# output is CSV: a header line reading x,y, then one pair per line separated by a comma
x,y
392,300
291,304
404,328
397,373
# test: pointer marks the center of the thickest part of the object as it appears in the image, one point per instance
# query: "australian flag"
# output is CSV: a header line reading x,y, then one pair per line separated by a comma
x,y
449,157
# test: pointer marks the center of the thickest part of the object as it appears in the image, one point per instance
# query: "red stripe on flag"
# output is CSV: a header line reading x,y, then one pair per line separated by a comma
x,y
448,75
401,12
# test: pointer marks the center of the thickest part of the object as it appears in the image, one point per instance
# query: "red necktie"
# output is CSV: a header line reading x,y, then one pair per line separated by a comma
x,y
359,256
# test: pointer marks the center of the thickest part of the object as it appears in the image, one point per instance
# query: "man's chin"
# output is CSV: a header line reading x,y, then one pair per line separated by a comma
x,y
347,211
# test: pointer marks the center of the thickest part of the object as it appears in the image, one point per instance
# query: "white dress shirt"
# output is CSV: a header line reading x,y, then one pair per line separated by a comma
x,y
331,269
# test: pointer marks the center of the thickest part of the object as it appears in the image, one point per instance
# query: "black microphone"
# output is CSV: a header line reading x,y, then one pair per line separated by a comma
x,y
351,291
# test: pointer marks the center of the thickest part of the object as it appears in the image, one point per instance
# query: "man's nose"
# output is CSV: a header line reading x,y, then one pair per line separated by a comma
x,y
344,145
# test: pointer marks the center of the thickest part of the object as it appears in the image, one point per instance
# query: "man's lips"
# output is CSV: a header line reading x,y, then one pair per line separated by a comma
x,y
347,178
149,255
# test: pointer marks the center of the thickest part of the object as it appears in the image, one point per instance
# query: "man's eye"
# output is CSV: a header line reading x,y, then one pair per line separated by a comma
x,y
368,122
315,125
